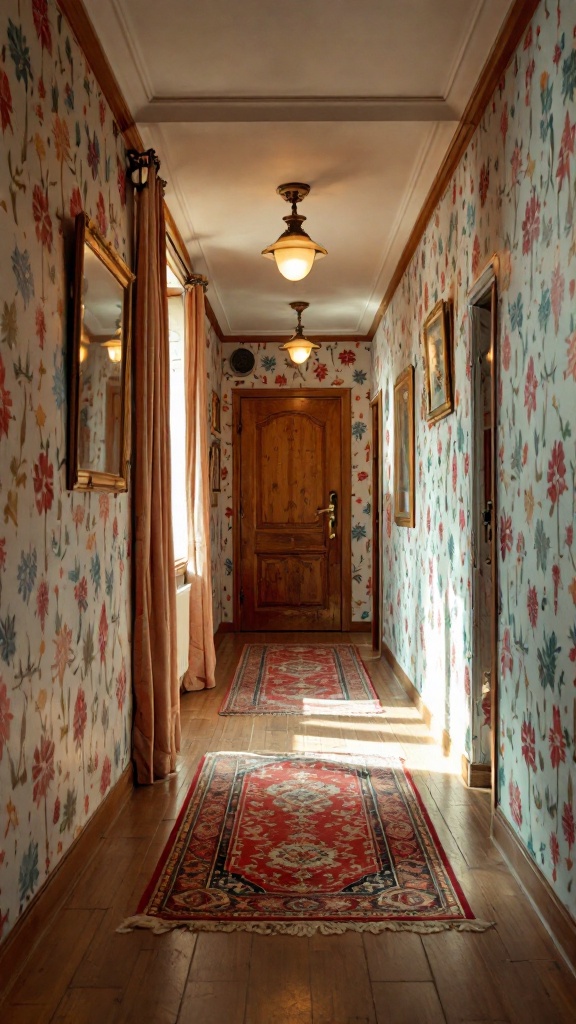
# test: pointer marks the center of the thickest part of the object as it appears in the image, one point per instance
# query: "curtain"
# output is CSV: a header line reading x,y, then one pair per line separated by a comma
x,y
156,730
201,653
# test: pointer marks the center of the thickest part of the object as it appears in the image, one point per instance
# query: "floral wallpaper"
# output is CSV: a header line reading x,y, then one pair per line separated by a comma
x,y
335,365
65,702
514,193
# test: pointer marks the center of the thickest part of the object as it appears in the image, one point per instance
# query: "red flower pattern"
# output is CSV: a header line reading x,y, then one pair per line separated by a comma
x,y
42,23
43,483
106,775
556,474
5,402
347,357
42,598
80,718
6,716
528,737
506,535
43,769
515,802
5,102
530,389
40,211
531,224
556,739
103,633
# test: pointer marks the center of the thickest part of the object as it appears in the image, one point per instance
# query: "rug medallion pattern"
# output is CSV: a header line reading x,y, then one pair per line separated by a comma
x,y
298,679
298,843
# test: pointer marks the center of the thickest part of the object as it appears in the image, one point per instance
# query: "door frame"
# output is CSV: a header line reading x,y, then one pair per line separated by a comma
x,y
377,494
486,286
345,505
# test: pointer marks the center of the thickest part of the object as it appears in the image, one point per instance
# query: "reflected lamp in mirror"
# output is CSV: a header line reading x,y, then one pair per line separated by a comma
x,y
100,350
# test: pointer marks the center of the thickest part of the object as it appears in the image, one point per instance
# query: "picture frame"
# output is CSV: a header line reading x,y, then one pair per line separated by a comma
x,y
438,362
404,503
214,471
215,414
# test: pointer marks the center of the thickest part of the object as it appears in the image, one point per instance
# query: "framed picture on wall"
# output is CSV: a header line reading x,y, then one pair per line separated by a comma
x,y
438,362
404,506
215,414
214,471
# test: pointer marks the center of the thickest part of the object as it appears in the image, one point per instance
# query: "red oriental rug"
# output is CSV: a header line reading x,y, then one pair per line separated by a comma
x,y
301,679
300,843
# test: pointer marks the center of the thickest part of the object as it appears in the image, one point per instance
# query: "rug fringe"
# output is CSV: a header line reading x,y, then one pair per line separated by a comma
x,y
304,928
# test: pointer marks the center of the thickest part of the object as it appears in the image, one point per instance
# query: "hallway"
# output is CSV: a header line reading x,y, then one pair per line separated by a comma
x,y
82,972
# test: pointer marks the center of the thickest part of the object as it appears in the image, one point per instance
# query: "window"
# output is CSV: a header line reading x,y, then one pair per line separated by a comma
x,y
176,335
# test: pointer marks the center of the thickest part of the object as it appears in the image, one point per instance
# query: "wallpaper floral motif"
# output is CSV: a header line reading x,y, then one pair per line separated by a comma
x,y
514,193
335,365
65,703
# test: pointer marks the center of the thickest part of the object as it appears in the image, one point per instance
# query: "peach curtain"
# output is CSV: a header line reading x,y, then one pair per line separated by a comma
x,y
201,653
156,730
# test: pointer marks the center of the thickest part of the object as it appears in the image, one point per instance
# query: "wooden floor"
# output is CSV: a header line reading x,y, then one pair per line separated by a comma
x,y
83,972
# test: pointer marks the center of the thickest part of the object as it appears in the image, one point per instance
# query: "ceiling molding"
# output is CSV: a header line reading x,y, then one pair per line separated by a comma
x,y
221,109
279,339
519,17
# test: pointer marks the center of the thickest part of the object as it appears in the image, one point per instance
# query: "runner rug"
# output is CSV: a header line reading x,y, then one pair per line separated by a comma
x,y
301,679
302,843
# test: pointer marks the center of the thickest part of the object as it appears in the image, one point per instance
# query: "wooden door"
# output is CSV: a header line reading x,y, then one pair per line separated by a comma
x,y
291,453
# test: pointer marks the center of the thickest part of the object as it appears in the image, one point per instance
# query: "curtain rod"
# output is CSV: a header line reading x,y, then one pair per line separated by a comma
x,y
189,276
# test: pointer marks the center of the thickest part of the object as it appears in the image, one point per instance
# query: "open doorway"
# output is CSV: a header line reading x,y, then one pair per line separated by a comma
x,y
480,769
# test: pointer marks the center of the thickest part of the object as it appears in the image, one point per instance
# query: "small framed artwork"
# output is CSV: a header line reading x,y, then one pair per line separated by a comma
x,y
215,414
214,471
404,507
438,362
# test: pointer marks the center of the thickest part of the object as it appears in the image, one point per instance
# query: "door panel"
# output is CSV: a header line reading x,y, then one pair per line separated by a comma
x,y
290,459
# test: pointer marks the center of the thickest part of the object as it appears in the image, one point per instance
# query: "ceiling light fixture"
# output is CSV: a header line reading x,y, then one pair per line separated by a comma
x,y
294,251
114,349
299,347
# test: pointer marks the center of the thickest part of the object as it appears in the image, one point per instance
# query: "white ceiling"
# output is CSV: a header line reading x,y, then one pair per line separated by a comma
x,y
358,99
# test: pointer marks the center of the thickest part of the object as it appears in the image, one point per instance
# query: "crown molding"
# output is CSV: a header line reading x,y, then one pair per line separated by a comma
x,y
517,21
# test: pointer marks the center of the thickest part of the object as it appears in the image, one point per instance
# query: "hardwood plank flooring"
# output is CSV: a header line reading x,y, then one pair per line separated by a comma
x,y
81,971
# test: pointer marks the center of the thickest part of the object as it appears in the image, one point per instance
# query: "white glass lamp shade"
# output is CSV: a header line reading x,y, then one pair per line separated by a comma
x,y
114,350
299,348
294,253
294,264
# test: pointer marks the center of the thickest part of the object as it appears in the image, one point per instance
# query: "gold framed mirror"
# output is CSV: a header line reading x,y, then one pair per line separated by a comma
x,y
100,357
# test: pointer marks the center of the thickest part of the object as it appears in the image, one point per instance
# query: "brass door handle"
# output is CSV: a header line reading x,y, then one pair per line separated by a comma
x,y
330,510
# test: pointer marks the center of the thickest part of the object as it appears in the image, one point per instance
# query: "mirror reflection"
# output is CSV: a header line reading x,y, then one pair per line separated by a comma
x,y
99,434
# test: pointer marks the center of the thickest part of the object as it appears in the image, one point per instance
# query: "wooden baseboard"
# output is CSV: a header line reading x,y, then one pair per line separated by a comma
x,y
475,774
552,912
225,627
408,685
21,940
361,627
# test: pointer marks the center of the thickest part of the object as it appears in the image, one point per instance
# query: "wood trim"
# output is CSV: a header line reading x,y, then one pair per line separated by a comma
x,y
486,285
360,627
91,47
346,507
407,684
344,395
519,17
553,913
29,928
475,774
180,567
279,339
